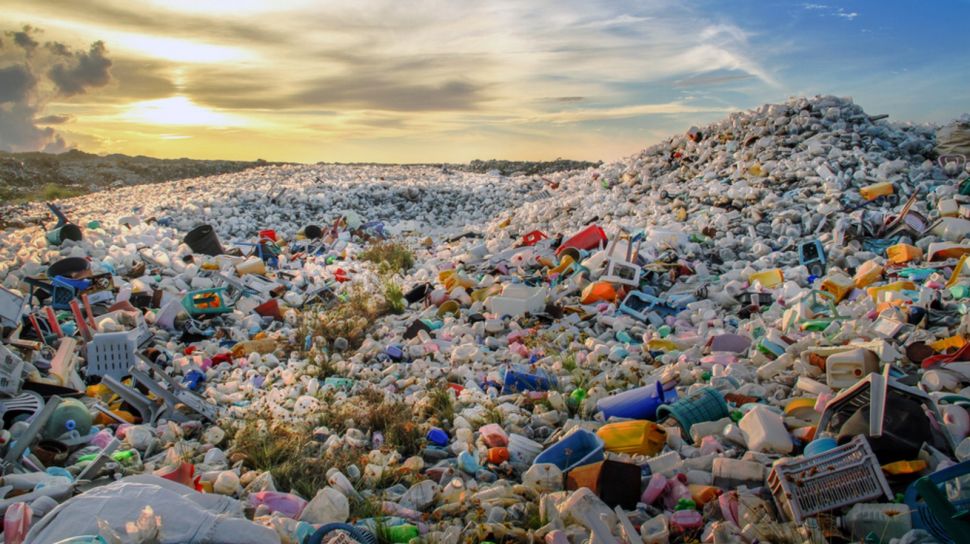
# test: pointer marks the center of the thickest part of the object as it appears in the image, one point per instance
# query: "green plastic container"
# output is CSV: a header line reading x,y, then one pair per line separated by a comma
x,y
703,405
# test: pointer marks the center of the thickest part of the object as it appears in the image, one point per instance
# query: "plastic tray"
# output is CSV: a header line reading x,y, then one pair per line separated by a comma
x,y
838,477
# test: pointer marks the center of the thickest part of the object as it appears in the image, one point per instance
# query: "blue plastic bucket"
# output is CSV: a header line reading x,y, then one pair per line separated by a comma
x,y
639,403
523,378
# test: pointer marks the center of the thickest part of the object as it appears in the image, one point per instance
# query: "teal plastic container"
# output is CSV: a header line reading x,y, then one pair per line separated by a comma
x,y
703,405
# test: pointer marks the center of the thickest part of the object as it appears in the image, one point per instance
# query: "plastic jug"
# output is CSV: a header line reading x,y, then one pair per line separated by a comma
x,y
543,477
327,506
636,437
768,279
765,431
887,521
867,273
848,367
578,448
951,229
70,415
493,435
655,488
839,284
903,253
876,190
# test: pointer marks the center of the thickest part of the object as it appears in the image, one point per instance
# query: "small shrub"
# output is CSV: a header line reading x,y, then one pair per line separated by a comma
x,y
390,257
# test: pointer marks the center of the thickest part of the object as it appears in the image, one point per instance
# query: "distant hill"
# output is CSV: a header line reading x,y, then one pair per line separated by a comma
x,y
37,176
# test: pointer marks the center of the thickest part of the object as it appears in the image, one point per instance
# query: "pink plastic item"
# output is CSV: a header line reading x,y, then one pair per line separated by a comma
x,y
288,505
16,523
676,490
657,485
494,436
684,520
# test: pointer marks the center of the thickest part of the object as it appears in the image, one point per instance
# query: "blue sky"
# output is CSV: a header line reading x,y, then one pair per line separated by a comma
x,y
448,80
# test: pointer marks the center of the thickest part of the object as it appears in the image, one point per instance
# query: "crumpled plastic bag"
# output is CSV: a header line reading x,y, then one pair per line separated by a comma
x,y
179,514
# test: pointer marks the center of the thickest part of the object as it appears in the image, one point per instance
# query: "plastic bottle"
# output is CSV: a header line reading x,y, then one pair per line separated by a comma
x,y
16,523
656,486
676,490
765,431
876,190
286,504
887,521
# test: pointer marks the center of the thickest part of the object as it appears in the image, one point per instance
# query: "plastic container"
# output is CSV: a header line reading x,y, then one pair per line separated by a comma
x,y
63,233
520,378
903,253
820,445
598,291
16,523
589,238
655,530
848,367
206,302
886,521
523,450
493,435
638,403
543,477
286,504
838,477
517,300
876,190
867,273
655,487
578,448
765,431
635,437
951,229
838,284
686,520
203,239
706,404
769,279
70,415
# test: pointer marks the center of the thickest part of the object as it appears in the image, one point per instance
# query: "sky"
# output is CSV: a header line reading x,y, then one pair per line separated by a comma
x,y
451,81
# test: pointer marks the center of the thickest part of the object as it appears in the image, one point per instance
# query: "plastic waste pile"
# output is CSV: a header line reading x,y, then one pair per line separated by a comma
x,y
752,332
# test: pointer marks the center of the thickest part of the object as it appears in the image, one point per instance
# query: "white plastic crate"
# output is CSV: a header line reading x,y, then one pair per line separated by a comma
x,y
112,353
838,477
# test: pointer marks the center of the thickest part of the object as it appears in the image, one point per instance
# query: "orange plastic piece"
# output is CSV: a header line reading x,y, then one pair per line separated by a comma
x,y
876,190
598,291
867,273
903,253
838,284
900,468
894,287
703,494
947,343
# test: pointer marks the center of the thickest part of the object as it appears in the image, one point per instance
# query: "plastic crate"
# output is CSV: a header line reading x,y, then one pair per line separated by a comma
x,y
112,353
838,477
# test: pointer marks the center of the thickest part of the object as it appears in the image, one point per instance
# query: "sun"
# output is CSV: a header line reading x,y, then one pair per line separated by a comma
x,y
180,111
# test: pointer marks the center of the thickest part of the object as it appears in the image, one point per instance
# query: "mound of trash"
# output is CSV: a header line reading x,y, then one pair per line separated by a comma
x,y
752,332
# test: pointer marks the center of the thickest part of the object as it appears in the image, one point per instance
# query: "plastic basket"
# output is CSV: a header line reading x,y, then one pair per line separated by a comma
x,y
112,353
954,486
703,405
62,294
838,477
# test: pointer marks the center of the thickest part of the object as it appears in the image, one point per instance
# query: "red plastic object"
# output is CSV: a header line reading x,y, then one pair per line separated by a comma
x,y
963,354
341,275
268,234
270,308
183,474
588,238
533,238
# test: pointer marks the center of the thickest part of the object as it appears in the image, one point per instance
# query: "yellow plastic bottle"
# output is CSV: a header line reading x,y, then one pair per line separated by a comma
x,y
768,278
876,190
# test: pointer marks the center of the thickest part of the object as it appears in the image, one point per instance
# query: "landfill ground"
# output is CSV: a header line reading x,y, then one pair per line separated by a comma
x,y
751,332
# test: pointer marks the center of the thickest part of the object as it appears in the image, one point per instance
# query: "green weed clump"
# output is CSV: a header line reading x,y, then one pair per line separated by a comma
x,y
390,257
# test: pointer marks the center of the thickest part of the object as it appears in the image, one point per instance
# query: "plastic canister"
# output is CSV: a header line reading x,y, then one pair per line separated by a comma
x,y
70,415
636,437
839,284
765,431
543,477
903,253
887,521
768,279
845,369
638,403
952,229
493,435
867,273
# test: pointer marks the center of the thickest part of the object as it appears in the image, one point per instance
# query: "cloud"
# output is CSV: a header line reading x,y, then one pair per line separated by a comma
x,y
53,119
16,83
386,94
711,80
90,69
24,96
23,38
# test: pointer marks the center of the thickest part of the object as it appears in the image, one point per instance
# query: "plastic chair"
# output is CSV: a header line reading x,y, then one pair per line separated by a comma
x,y
934,512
